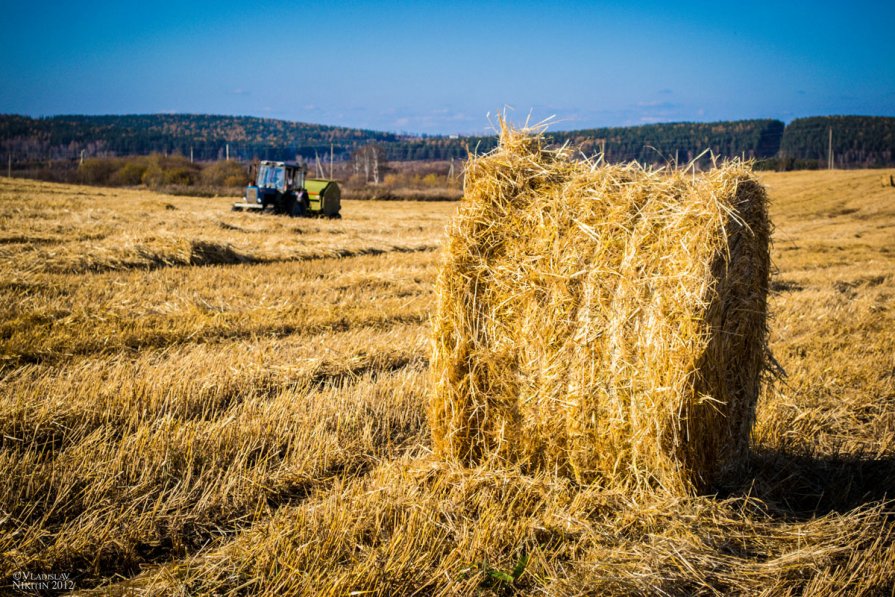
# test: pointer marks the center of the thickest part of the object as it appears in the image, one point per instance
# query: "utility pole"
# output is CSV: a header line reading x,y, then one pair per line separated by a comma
x,y
191,154
376,166
830,150
366,166
9,167
228,152
331,151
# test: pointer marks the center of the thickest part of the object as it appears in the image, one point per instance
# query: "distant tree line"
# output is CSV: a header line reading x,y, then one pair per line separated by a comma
x,y
683,141
858,141
172,173
205,138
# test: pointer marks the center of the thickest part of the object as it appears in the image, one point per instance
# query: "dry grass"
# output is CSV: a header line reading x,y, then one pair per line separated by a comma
x,y
259,425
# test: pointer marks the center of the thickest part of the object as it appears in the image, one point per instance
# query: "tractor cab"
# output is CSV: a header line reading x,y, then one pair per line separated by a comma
x,y
277,184
280,176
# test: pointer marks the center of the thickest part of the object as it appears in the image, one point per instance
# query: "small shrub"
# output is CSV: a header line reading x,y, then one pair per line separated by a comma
x,y
131,173
153,176
224,174
179,176
97,170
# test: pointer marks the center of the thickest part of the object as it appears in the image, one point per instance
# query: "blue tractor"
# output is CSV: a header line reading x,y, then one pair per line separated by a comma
x,y
283,188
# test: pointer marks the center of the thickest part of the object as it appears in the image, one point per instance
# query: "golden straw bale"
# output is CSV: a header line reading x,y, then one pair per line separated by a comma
x,y
607,322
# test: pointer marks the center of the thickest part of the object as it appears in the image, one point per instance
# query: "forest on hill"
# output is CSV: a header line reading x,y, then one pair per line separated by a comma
x,y
858,141
205,137
683,141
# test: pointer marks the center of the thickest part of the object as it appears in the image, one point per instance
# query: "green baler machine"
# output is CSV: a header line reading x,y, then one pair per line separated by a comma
x,y
324,196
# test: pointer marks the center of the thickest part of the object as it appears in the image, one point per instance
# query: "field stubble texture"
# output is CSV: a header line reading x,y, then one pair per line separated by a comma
x,y
252,419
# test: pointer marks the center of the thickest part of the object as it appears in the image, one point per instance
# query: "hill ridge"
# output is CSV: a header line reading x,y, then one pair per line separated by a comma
x,y
858,140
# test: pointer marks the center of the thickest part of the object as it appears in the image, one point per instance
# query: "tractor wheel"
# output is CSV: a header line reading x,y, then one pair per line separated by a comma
x,y
289,206
295,208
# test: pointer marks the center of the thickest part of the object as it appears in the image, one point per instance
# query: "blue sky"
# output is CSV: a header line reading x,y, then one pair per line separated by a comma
x,y
441,67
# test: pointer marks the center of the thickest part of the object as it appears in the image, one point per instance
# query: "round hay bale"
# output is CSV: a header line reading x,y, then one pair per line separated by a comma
x,y
603,321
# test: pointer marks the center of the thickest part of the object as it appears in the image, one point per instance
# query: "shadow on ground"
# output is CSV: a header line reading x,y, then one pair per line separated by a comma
x,y
803,486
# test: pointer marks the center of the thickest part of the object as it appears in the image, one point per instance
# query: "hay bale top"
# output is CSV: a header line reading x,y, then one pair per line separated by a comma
x,y
603,321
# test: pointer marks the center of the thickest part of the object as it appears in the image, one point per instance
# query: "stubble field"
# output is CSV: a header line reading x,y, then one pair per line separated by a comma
x,y
196,401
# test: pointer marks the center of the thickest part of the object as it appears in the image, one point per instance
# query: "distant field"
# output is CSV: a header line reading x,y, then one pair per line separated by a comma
x,y
199,401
